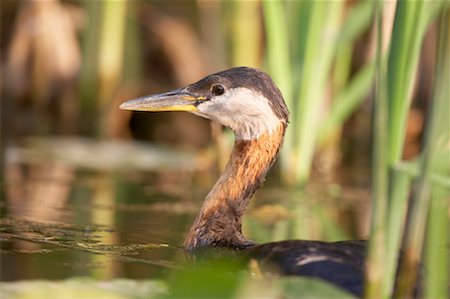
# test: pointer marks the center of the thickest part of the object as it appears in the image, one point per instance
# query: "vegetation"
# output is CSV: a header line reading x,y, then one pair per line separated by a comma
x,y
395,66
336,62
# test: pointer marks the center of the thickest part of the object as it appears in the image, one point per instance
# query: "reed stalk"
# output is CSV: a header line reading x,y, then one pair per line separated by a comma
x,y
133,47
377,243
437,257
246,33
400,184
435,146
88,79
111,48
407,35
316,64
279,64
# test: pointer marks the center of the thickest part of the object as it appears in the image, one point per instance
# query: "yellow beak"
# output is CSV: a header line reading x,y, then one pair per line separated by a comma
x,y
175,100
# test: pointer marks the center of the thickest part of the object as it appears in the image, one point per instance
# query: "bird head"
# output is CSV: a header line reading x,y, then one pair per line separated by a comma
x,y
244,99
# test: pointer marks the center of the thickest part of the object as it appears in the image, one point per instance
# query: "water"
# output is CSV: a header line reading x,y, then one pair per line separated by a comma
x,y
107,226
61,220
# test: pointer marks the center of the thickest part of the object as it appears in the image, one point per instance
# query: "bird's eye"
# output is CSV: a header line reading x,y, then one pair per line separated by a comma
x,y
217,89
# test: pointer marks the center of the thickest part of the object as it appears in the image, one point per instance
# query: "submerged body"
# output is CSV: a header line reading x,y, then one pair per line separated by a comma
x,y
340,263
247,101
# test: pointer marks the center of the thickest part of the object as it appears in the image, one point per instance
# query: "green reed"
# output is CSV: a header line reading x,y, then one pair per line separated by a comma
x,y
376,267
428,196
103,47
391,184
279,62
308,43
303,65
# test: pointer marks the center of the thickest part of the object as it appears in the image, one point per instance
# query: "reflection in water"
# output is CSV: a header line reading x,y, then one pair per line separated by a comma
x,y
34,190
58,228
103,194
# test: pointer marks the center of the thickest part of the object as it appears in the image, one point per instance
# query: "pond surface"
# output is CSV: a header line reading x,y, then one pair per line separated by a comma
x,y
90,236
60,221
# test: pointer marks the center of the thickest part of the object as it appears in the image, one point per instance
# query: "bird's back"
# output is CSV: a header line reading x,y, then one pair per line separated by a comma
x,y
340,263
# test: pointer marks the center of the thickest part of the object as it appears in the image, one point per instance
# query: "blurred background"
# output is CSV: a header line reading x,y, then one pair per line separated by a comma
x,y
71,159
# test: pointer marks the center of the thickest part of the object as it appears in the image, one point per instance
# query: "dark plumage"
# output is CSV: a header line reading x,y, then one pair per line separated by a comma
x,y
340,263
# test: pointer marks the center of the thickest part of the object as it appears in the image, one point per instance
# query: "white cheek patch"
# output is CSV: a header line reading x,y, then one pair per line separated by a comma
x,y
245,112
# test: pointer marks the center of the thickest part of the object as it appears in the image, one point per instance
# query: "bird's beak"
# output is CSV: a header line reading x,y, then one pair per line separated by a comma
x,y
175,100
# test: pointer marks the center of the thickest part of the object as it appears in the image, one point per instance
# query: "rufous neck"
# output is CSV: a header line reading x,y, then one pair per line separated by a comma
x,y
220,220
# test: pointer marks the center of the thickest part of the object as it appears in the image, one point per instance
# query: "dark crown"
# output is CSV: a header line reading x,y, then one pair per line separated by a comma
x,y
247,77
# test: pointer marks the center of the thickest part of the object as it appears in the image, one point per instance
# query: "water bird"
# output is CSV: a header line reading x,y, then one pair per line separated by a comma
x,y
247,101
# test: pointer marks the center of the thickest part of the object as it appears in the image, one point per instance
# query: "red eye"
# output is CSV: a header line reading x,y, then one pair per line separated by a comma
x,y
217,89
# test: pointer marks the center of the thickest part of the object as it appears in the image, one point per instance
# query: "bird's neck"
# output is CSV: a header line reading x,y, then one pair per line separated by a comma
x,y
220,219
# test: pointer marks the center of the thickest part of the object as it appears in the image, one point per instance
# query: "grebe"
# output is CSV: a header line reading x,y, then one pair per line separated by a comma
x,y
247,101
